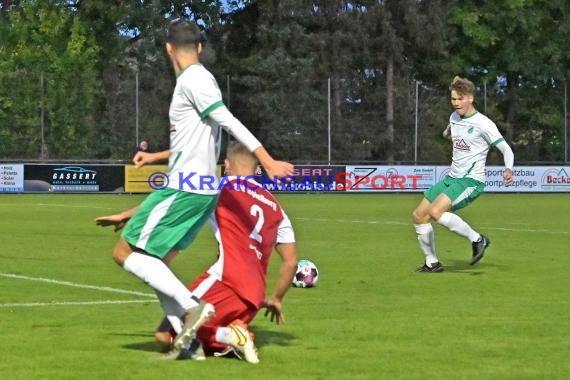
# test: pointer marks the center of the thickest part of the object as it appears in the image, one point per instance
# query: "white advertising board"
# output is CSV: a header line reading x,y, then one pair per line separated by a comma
x,y
11,178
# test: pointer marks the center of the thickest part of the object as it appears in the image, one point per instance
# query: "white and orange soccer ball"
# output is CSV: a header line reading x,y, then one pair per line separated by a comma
x,y
307,274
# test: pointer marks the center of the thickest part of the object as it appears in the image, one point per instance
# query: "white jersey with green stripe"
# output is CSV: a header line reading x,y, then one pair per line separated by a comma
x,y
472,137
194,138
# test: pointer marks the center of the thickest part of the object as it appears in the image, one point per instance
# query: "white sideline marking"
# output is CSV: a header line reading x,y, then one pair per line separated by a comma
x,y
72,303
396,223
388,222
528,230
76,285
76,206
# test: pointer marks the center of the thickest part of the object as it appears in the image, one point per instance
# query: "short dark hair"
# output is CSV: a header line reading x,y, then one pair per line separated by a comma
x,y
184,34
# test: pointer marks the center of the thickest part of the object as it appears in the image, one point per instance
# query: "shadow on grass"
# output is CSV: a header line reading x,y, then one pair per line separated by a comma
x,y
148,345
263,337
271,338
462,266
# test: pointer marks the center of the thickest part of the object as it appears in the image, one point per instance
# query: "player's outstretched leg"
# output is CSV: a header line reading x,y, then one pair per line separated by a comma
x,y
242,342
193,319
239,339
479,248
426,238
193,351
433,268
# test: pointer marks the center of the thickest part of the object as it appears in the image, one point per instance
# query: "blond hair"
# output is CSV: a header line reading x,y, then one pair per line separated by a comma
x,y
462,86
238,154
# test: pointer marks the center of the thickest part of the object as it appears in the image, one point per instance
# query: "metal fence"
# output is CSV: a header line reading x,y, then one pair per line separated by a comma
x,y
333,120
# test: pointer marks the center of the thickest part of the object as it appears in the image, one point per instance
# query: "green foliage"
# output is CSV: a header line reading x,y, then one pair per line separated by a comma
x,y
46,40
278,57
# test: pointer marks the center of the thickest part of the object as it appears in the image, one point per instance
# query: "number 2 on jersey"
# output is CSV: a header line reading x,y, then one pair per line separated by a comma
x,y
257,211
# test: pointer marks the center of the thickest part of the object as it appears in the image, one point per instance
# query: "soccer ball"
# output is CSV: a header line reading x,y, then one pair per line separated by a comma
x,y
307,274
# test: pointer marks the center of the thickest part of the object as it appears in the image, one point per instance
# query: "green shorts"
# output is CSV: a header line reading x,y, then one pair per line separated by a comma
x,y
461,191
168,219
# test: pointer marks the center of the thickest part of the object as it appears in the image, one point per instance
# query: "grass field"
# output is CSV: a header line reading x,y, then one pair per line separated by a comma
x,y
371,316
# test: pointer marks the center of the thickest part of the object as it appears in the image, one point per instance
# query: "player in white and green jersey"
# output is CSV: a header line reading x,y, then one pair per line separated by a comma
x,y
168,220
472,134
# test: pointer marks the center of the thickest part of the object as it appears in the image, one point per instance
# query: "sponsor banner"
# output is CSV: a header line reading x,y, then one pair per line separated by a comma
x,y
527,179
137,180
305,178
555,179
389,178
420,177
73,178
11,178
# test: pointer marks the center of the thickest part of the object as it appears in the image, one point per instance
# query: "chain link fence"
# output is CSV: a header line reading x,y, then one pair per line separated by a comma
x,y
333,120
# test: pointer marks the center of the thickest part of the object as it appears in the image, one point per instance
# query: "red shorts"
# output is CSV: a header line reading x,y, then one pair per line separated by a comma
x,y
229,307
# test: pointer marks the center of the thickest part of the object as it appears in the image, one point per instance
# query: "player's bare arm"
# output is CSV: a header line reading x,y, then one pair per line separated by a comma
x,y
508,177
117,220
273,167
142,158
274,309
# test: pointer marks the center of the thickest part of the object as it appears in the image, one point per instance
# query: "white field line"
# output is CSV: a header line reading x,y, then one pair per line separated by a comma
x,y
379,222
76,285
396,223
62,205
73,303
385,222
76,206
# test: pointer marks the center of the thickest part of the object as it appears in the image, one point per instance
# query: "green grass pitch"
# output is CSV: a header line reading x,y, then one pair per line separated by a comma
x,y
370,317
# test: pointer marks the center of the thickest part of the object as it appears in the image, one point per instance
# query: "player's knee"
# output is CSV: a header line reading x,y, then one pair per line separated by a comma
x,y
163,338
419,217
435,213
121,252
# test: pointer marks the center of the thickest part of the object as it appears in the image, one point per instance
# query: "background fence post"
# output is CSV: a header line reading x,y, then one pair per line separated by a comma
x,y
565,121
137,110
42,117
416,124
329,119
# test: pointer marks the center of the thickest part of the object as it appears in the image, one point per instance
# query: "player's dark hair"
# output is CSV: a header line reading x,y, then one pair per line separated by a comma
x,y
184,34
462,86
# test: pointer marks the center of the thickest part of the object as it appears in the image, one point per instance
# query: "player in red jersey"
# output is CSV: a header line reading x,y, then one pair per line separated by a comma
x,y
248,223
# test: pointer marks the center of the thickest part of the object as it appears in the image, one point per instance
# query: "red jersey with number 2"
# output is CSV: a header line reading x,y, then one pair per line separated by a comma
x,y
247,223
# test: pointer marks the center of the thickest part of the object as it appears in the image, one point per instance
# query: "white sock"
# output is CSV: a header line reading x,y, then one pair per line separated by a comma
x,y
458,225
172,310
224,335
156,274
175,322
426,238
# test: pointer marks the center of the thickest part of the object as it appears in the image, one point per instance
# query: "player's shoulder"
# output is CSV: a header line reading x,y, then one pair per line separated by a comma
x,y
483,121
259,193
454,117
195,73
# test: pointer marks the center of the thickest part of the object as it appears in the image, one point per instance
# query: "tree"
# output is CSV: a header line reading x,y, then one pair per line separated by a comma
x,y
521,42
268,52
46,40
131,36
